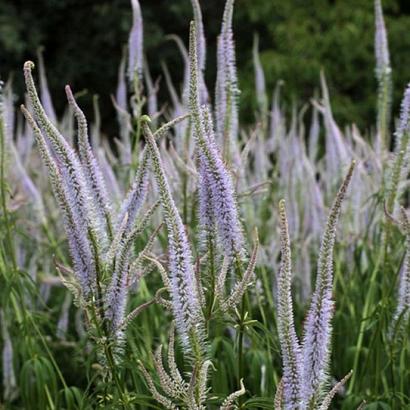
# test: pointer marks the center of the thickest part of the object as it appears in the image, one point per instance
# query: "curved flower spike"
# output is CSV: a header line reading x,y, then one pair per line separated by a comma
x,y
135,197
167,403
214,172
318,328
240,287
399,165
289,343
44,90
228,402
69,165
337,387
92,170
402,313
79,245
184,293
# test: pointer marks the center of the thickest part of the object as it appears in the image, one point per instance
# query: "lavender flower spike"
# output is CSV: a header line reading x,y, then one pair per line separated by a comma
x,y
136,195
68,162
201,43
92,169
135,43
260,83
399,166
291,353
318,329
79,245
403,306
206,214
383,75
227,92
381,43
44,90
184,294
201,47
221,190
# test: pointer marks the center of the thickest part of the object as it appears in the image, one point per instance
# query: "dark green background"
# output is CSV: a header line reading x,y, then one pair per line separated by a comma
x,y
83,42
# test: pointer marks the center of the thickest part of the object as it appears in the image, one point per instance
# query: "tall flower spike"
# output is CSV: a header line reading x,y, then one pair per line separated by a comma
x,y
152,91
136,195
201,47
381,43
121,93
260,84
185,300
227,92
68,163
206,214
291,355
184,54
117,293
239,289
221,187
44,90
399,166
135,43
402,312
79,245
167,403
318,328
383,74
200,35
92,169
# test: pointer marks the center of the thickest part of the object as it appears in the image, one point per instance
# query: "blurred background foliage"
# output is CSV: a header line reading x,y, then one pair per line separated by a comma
x,y
84,40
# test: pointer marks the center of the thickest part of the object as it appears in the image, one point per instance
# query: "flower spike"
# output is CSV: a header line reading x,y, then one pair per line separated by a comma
x,y
185,299
219,185
318,328
291,352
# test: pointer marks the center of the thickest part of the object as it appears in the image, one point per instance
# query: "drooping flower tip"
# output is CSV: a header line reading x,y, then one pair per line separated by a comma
x,y
318,324
29,65
145,119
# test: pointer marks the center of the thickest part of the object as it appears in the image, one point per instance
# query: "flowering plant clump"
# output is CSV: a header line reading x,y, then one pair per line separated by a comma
x,y
153,270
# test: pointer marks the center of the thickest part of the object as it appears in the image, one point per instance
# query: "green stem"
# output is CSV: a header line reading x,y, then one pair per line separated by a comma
x,y
104,333
241,333
211,273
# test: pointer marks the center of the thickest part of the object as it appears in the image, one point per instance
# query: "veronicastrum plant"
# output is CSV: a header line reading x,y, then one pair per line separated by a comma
x,y
172,309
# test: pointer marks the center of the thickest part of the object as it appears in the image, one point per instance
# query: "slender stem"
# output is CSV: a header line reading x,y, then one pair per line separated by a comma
x,y
363,324
241,332
211,273
104,333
